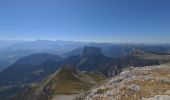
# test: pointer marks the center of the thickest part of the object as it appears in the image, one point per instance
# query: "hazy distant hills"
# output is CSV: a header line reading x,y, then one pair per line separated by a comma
x,y
11,51
16,50
119,50
36,59
8,43
110,50
27,65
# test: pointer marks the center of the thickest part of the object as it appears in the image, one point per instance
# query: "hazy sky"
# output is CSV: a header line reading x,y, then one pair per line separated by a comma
x,y
86,20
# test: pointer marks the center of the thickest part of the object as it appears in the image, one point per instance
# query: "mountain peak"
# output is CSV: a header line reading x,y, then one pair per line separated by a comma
x,y
91,51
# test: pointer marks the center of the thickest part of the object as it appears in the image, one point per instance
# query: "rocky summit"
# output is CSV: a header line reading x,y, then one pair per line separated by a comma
x,y
141,83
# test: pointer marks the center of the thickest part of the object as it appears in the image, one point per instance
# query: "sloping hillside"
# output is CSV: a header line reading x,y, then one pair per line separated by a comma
x,y
65,81
25,71
143,83
154,56
24,67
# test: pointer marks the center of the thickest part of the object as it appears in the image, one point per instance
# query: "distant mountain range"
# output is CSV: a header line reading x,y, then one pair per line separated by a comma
x,y
11,51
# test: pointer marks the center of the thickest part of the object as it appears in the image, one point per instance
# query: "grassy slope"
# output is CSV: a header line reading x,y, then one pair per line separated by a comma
x,y
64,82
68,83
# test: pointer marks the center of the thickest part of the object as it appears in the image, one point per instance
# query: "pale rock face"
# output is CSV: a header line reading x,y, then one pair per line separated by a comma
x,y
141,83
124,73
134,87
167,92
158,97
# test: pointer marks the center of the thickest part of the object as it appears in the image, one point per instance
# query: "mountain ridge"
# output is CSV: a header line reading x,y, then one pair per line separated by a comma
x,y
67,80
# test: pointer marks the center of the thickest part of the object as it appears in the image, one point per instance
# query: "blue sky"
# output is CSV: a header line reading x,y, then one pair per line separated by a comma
x,y
135,21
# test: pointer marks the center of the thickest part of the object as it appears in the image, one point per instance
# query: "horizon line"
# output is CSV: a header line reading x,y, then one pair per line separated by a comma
x,y
104,42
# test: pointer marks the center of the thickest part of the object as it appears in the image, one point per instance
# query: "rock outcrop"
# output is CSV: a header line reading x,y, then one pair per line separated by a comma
x,y
158,97
143,83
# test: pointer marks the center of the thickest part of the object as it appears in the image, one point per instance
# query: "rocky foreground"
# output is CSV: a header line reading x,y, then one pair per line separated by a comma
x,y
143,83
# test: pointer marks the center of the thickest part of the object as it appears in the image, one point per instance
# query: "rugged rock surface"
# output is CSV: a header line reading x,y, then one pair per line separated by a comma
x,y
158,97
143,83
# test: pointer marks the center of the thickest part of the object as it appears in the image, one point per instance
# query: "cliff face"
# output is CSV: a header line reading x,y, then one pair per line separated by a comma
x,y
146,83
